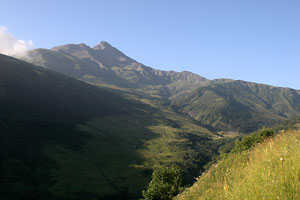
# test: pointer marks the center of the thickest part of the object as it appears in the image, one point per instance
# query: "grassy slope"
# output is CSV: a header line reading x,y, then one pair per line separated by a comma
x,y
270,171
64,139
42,116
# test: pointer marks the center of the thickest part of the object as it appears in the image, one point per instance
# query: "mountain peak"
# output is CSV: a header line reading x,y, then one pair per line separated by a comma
x,y
102,45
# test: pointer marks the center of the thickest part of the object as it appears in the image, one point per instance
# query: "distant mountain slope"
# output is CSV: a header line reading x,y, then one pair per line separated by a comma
x,y
64,139
239,105
105,64
223,105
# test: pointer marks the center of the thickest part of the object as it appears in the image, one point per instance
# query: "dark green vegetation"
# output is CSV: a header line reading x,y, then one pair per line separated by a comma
x,y
222,105
166,183
65,139
250,141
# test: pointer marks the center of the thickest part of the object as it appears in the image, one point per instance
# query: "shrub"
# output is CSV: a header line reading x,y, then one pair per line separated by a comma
x,y
250,141
166,183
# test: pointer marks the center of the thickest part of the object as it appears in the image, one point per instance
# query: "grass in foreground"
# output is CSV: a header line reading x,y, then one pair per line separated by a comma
x,y
270,171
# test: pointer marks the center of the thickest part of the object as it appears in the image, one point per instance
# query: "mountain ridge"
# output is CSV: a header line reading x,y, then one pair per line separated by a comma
x,y
107,56
223,104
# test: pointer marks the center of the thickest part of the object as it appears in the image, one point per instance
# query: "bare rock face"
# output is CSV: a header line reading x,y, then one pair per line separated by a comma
x,y
102,45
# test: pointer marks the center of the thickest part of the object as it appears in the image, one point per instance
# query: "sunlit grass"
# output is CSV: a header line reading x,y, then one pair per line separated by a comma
x,y
270,171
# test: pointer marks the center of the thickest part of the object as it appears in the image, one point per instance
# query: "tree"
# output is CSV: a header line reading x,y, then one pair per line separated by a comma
x,y
166,183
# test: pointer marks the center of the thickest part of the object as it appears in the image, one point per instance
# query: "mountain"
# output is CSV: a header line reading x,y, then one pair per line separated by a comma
x,y
239,105
224,106
64,139
105,64
98,127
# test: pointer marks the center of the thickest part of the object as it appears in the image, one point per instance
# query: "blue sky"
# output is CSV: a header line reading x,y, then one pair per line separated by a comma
x,y
253,40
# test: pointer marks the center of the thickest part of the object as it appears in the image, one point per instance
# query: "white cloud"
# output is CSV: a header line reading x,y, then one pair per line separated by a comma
x,y
9,45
